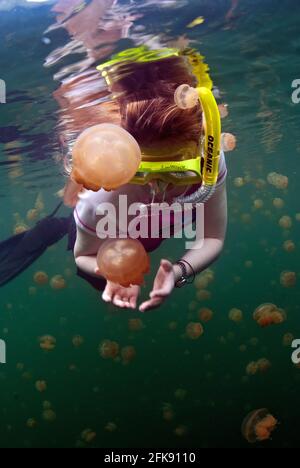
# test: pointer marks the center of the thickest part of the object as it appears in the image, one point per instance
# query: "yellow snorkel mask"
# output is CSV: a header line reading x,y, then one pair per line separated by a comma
x,y
190,171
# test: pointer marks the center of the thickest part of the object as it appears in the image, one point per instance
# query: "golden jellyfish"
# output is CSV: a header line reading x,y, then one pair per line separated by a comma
x,y
47,343
194,330
201,282
41,278
203,295
109,349
259,183
223,109
168,412
181,431
252,368
205,314
77,341
58,282
263,365
258,426
268,314
285,222
186,97
228,142
288,279
47,405
248,264
31,423
278,180
258,204
32,215
111,427
101,147
180,394
289,246
135,324
278,203
41,386
49,415
235,315
297,216
239,182
209,275
128,354
88,436
287,339
123,261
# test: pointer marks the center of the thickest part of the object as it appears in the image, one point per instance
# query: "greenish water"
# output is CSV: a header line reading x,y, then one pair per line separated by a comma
x,y
253,60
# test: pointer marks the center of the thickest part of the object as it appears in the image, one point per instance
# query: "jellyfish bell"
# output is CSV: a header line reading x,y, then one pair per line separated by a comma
x,y
99,148
128,354
235,315
228,142
123,261
289,246
88,436
41,386
258,426
223,109
58,282
186,97
288,279
194,330
41,278
31,423
49,415
285,222
77,341
109,349
205,314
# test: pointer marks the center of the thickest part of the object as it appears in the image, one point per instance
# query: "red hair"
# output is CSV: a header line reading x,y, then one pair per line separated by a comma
x,y
145,93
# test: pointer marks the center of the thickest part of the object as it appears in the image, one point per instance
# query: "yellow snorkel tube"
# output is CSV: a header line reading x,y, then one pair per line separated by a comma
x,y
187,97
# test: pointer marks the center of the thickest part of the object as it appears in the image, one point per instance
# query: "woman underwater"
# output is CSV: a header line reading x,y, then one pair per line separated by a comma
x,y
144,85
143,105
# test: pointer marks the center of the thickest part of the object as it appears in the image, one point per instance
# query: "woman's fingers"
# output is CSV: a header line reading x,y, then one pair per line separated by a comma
x,y
121,297
117,300
133,302
151,304
163,292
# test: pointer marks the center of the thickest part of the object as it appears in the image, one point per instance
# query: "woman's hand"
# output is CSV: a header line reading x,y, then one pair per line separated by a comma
x,y
125,298
164,284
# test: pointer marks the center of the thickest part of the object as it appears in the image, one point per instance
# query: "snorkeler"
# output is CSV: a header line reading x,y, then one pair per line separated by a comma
x,y
144,83
144,108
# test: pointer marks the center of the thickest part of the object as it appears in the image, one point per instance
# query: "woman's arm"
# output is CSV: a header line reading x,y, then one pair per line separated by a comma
x,y
215,219
85,252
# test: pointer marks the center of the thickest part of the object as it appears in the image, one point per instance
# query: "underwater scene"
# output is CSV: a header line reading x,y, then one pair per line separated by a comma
x,y
216,364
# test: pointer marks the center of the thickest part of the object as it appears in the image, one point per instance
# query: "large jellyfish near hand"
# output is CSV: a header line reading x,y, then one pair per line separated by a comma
x,y
123,261
105,156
